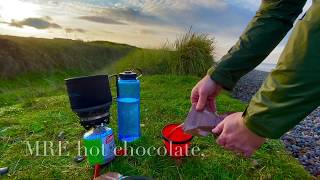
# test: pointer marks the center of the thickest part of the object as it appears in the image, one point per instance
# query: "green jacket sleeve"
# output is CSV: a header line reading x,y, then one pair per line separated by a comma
x,y
292,90
267,28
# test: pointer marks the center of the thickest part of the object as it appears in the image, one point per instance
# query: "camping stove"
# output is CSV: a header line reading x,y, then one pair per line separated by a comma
x,y
90,98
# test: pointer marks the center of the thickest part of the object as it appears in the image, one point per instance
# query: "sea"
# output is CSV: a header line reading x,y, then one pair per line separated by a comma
x,y
267,67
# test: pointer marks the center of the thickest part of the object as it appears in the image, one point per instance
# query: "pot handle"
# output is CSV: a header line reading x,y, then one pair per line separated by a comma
x,y
138,71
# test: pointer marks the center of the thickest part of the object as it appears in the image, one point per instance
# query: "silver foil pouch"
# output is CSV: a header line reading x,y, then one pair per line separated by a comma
x,y
201,123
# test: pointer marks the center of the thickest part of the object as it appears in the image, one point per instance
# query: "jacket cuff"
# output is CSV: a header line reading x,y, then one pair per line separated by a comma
x,y
221,78
259,129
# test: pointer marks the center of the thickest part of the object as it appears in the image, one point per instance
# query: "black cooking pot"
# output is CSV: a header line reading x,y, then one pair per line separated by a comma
x,y
90,98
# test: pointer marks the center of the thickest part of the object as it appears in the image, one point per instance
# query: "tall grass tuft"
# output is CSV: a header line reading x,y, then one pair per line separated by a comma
x,y
194,54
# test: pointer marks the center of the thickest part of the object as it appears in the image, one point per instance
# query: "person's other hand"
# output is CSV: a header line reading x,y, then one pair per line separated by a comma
x,y
235,136
203,94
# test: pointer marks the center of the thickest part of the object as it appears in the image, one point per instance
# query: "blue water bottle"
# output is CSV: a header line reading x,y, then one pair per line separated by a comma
x,y
128,106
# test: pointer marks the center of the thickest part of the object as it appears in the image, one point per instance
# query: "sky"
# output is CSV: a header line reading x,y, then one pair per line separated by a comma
x,y
143,23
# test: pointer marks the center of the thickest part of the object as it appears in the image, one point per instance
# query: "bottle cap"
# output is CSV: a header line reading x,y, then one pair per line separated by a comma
x,y
128,75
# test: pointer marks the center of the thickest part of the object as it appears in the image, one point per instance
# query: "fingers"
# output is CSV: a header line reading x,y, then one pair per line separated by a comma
x,y
234,147
211,105
241,150
247,152
202,101
219,128
194,96
203,94
222,141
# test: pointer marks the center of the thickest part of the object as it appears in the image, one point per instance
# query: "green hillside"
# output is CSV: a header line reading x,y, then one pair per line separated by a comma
x,y
19,55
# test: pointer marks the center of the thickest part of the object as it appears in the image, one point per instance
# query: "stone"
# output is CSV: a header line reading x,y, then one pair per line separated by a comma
x,y
4,171
61,136
79,159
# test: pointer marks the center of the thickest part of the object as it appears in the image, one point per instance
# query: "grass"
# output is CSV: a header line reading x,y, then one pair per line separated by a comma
x,y
39,110
19,55
33,85
151,61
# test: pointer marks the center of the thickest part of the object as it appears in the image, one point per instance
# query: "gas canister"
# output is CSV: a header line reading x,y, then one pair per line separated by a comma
x,y
99,145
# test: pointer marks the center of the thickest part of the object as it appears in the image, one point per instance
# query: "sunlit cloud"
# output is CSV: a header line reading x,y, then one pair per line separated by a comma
x,y
15,9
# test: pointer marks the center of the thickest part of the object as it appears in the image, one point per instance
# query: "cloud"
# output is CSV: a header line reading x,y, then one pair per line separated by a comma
x,y
155,6
107,32
38,23
71,30
101,19
48,18
148,31
155,12
203,15
129,15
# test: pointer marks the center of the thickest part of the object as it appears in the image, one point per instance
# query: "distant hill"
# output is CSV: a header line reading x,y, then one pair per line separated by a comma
x,y
19,55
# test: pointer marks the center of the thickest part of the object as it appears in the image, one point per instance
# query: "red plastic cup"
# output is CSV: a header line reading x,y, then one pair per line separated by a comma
x,y
176,141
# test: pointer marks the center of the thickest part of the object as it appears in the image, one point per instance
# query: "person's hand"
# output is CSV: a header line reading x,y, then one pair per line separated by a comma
x,y
235,136
203,94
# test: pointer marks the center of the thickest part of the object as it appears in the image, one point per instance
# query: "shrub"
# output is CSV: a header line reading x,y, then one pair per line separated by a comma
x,y
193,54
